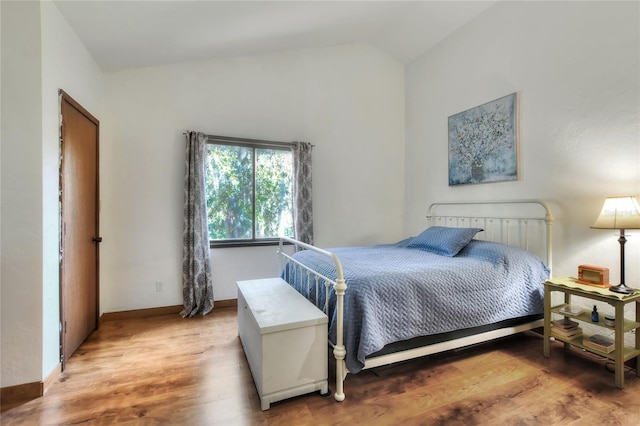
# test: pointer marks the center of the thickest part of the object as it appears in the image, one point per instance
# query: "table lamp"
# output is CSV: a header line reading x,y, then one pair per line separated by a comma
x,y
619,213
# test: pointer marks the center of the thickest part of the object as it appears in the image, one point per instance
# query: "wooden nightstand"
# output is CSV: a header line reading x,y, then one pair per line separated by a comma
x,y
621,353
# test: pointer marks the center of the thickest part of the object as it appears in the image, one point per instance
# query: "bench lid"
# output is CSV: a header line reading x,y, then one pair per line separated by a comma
x,y
277,306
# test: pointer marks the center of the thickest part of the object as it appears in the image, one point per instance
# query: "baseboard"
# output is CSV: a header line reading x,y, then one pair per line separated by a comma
x,y
14,395
228,303
140,313
163,310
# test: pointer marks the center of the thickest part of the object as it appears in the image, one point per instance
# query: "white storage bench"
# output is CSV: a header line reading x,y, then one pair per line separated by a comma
x,y
284,337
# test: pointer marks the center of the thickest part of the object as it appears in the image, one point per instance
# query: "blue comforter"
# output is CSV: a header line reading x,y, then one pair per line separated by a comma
x,y
397,293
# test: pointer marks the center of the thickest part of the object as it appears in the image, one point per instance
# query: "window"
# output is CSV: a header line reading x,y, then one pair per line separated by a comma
x,y
248,187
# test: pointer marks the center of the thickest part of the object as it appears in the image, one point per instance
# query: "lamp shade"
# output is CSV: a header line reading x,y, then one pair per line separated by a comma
x,y
619,213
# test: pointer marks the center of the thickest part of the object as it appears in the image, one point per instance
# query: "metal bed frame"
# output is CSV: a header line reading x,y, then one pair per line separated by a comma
x,y
518,229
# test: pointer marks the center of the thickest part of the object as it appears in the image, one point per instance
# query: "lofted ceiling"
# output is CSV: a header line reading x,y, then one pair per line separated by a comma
x,y
131,34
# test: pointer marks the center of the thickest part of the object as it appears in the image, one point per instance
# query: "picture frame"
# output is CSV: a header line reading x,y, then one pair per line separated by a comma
x,y
483,143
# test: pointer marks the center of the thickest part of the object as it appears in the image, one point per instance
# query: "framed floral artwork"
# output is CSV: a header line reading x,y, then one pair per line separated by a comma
x,y
483,143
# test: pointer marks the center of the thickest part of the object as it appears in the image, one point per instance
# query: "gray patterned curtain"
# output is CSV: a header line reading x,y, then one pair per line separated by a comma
x,y
197,282
302,206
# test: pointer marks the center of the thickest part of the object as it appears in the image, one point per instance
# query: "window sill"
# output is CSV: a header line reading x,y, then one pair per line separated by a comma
x,y
231,244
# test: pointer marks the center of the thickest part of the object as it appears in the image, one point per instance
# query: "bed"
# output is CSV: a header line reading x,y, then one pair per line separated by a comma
x,y
471,276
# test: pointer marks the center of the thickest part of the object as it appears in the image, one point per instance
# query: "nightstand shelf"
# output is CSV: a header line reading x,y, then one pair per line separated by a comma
x,y
621,353
628,352
586,317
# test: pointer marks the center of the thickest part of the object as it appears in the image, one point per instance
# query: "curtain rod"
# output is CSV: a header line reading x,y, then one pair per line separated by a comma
x,y
240,140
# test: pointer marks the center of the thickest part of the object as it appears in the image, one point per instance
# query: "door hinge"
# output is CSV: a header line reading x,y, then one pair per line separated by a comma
x,y
65,327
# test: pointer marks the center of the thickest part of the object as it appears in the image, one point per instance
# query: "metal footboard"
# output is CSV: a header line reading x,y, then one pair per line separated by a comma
x,y
312,280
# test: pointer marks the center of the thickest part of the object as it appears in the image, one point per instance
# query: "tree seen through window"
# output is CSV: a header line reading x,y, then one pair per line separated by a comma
x,y
248,192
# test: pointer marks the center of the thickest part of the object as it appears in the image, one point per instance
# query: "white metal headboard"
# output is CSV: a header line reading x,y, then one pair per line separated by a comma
x,y
522,223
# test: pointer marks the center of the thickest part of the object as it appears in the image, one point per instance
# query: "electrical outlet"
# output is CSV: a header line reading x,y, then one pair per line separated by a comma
x,y
158,286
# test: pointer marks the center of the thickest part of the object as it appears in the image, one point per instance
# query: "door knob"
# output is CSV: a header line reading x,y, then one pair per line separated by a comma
x,y
97,239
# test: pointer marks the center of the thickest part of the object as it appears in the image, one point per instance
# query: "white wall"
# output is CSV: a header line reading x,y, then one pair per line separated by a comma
x,y
1,101
575,67
66,65
21,194
577,76
347,100
40,55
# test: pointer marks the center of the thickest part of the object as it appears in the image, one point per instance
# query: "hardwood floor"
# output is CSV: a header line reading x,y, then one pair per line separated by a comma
x,y
174,371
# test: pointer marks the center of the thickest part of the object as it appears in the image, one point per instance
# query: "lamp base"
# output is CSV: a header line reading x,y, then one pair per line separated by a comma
x,y
621,288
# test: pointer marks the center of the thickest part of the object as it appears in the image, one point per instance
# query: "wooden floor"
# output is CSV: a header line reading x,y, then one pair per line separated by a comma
x,y
174,371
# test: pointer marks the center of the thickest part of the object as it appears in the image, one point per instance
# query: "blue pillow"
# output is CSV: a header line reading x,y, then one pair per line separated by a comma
x,y
444,240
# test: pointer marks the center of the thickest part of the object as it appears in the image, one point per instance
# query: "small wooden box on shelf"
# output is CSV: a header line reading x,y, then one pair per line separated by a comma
x,y
621,353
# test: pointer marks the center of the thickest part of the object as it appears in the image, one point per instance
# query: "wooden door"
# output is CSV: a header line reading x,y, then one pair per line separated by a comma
x,y
79,289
